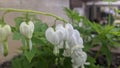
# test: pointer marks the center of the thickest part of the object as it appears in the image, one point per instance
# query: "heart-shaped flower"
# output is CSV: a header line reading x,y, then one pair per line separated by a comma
x,y
76,39
79,58
5,30
52,36
27,29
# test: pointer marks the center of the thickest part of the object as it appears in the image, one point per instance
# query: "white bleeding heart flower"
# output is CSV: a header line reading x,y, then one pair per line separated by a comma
x,y
5,30
27,30
60,30
52,36
76,39
69,30
79,58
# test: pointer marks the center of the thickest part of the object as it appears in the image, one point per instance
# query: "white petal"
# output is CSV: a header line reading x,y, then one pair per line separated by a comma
x,y
4,32
56,50
76,39
79,60
67,53
27,29
51,36
61,45
30,44
69,30
59,26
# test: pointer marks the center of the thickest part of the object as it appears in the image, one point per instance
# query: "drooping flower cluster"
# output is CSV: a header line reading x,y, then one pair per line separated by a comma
x,y
67,38
27,29
5,30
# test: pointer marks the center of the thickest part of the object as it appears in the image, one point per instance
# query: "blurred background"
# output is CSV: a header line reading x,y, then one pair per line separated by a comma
x,y
50,6
94,10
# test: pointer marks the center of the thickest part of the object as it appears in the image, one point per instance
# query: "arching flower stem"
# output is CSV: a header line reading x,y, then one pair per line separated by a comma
x,y
32,11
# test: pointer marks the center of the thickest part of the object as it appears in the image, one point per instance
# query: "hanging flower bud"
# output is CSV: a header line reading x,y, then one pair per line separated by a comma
x,y
5,30
27,30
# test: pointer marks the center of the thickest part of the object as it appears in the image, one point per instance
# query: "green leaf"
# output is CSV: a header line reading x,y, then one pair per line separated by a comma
x,y
30,54
18,21
16,63
92,62
105,50
16,36
20,62
73,15
40,26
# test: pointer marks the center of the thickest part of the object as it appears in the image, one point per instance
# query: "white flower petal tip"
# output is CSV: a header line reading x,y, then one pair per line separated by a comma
x,y
87,63
67,53
30,45
27,29
56,50
80,24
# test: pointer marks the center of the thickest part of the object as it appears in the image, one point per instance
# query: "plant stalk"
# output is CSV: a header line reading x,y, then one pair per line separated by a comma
x,y
32,11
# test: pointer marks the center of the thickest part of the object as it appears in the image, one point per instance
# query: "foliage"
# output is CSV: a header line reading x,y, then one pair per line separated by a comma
x,y
104,36
42,55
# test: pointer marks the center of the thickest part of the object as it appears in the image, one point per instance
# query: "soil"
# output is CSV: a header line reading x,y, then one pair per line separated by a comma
x,y
114,64
6,64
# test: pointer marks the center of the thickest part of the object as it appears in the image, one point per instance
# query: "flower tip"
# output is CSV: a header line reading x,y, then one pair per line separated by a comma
x,y
87,63
5,54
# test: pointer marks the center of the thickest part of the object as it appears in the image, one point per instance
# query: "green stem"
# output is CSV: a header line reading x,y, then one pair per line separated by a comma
x,y
31,11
